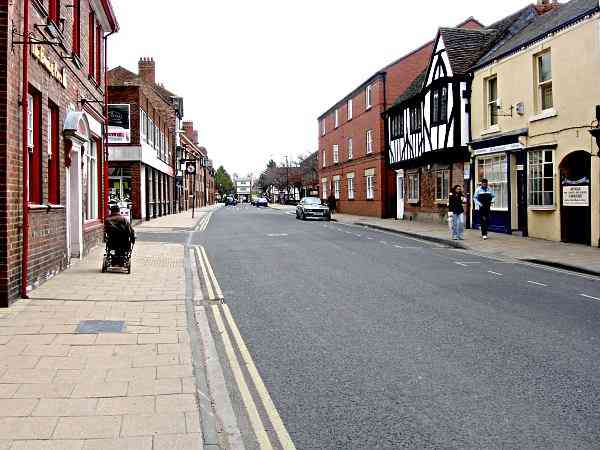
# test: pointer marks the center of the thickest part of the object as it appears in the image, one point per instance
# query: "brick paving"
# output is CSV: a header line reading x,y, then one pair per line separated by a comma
x,y
130,390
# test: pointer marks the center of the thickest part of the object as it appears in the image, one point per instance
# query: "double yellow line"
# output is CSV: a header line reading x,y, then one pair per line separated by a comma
x,y
215,293
204,222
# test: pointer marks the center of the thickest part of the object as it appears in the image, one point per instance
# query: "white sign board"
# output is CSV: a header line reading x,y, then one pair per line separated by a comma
x,y
576,196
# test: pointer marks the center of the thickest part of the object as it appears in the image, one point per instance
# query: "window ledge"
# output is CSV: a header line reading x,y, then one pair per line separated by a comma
x,y
441,202
412,202
546,114
542,208
38,207
491,130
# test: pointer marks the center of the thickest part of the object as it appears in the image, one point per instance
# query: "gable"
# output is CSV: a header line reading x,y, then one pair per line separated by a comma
x,y
439,64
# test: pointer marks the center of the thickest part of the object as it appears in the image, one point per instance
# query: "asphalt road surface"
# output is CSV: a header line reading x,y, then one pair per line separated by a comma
x,y
367,339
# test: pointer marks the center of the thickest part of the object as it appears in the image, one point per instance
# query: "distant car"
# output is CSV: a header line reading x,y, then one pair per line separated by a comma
x,y
230,201
311,207
261,201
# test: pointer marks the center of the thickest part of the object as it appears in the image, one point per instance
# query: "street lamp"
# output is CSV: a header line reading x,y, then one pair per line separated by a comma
x,y
595,131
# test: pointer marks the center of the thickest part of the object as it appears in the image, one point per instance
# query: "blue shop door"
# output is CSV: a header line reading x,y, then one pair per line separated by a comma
x,y
499,221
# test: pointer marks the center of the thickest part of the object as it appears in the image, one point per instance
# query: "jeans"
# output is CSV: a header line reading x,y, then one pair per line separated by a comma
x,y
484,218
458,226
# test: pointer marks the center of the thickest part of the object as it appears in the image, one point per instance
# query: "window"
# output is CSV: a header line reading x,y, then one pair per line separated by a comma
x,y
369,141
151,132
350,109
91,181
92,44
53,155
541,178
34,142
415,119
322,127
494,168
369,97
370,191
397,126
439,105
492,101
336,154
412,187
336,118
442,185
98,54
324,158
324,190
544,64
350,179
336,188
350,151
143,126
76,38
54,11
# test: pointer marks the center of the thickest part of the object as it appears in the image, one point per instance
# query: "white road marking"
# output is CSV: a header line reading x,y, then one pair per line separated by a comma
x,y
383,242
253,416
280,430
398,246
494,273
369,238
277,235
358,235
590,297
537,284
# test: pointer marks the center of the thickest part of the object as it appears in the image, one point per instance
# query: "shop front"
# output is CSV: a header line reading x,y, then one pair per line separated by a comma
x,y
502,161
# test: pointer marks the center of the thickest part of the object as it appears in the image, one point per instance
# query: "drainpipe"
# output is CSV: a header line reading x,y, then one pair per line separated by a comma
x,y
105,135
25,107
384,166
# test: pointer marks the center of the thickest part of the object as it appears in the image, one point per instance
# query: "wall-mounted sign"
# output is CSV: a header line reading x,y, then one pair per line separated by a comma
x,y
119,124
576,195
498,149
59,74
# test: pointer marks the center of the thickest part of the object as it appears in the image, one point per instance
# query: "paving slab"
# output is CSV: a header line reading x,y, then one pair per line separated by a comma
x,y
134,443
96,427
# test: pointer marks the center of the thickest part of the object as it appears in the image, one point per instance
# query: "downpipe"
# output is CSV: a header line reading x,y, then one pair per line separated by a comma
x,y
105,134
24,118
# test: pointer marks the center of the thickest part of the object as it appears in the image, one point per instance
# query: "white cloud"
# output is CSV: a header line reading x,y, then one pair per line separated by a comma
x,y
256,74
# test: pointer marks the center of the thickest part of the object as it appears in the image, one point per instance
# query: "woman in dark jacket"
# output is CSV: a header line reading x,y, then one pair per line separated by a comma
x,y
456,211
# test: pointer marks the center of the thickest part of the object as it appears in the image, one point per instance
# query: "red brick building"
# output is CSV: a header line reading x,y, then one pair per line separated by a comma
x,y
352,138
143,122
190,149
52,96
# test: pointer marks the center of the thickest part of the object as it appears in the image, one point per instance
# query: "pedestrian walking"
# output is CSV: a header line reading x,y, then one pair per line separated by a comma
x,y
331,203
456,212
483,199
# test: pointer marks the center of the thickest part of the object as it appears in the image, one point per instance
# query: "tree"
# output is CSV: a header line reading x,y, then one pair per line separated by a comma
x,y
223,182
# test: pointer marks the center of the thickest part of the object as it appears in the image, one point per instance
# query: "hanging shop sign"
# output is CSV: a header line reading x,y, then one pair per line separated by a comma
x,y
59,74
576,195
119,124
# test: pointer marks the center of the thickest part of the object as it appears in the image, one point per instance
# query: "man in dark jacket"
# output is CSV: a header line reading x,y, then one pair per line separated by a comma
x,y
484,198
331,203
118,230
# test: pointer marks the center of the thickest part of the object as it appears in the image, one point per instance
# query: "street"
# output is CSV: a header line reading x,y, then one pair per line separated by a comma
x,y
366,339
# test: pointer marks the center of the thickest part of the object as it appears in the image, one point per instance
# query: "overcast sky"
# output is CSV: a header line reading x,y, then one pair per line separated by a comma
x,y
255,75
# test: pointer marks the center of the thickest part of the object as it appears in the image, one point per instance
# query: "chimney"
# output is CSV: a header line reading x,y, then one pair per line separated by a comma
x,y
188,129
147,70
544,6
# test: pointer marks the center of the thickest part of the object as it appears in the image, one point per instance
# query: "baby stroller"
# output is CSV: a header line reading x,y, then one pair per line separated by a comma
x,y
117,254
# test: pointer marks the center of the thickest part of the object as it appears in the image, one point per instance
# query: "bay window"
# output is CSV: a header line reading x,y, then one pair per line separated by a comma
x,y
540,175
494,169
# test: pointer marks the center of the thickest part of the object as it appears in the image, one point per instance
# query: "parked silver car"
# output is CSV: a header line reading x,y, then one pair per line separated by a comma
x,y
312,207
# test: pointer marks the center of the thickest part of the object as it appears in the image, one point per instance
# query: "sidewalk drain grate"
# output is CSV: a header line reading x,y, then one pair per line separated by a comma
x,y
100,326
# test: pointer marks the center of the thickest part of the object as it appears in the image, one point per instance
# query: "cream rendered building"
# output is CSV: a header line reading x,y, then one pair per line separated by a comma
x,y
533,103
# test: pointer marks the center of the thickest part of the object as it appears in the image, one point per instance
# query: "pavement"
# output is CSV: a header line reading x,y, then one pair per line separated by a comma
x,y
574,257
371,339
136,388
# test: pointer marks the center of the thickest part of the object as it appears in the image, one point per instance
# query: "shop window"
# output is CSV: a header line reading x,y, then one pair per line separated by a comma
x,y
541,178
494,168
76,35
439,105
92,44
412,187
53,155
91,181
544,81
120,186
442,185
34,142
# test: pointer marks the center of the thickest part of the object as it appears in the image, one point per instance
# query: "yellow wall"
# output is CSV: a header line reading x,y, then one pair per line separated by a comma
x,y
576,92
